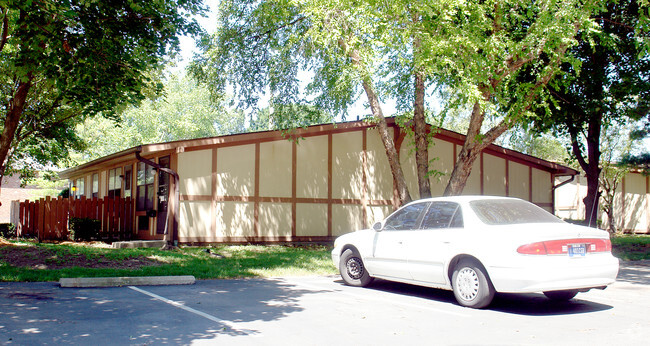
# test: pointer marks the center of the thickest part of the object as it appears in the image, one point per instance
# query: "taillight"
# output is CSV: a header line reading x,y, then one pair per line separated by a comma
x,y
559,247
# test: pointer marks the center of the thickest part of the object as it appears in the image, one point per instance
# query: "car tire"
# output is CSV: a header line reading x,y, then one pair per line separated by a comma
x,y
471,285
561,295
352,269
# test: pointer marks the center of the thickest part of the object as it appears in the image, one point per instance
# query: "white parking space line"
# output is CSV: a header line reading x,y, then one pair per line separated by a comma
x,y
188,309
374,298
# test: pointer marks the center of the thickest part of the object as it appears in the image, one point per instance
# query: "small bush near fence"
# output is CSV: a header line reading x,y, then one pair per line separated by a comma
x,y
83,228
7,230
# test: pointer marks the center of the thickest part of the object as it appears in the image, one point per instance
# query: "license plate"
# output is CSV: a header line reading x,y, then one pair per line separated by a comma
x,y
577,250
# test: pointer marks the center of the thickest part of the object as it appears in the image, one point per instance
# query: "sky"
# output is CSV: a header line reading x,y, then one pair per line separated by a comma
x,y
209,24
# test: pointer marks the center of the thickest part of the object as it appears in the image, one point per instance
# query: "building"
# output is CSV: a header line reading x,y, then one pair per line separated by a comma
x,y
262,187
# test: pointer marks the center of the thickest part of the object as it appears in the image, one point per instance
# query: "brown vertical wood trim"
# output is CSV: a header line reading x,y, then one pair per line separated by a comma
x,y
364,177
213,204
329,184
530,184
482,175
256,205
455,154
624,216
647,203
553,189
294,185
507,177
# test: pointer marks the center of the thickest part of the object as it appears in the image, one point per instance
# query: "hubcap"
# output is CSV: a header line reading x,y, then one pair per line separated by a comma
x,y
354,267
467,283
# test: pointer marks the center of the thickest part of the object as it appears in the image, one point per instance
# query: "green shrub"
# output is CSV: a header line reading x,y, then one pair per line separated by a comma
x,y
7,230
83,229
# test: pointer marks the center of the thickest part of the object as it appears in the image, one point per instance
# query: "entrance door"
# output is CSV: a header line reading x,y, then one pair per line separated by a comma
x,y
163,196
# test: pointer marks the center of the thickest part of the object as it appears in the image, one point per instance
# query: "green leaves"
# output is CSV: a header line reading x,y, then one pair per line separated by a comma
x,y
77,59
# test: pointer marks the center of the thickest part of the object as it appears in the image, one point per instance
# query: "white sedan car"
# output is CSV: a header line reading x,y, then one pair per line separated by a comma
x,y
476,246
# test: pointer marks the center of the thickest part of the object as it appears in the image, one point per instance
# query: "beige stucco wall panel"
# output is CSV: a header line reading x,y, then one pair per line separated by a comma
x,y
635,203
236,170
275,169
519,180
311,220
378,213
195,219
235,219
311,167
275,219
347,169
346,218
195,172
441,159
542,187
379,177
494,175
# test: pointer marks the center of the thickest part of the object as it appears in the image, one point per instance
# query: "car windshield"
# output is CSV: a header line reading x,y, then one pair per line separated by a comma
x,y
509,211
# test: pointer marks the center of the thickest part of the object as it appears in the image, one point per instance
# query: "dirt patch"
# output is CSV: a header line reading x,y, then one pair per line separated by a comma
x,y
19,255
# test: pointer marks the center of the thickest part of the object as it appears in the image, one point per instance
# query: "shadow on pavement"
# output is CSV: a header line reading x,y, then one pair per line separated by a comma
x,y
521,304
634,272
44,313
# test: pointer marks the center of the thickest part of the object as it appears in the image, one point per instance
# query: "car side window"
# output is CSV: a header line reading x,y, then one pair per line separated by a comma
x,y
405,218
443,215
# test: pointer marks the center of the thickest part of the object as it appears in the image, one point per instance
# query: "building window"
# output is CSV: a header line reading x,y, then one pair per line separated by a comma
x,y
115,182
79,188
145,192
128,176
95,186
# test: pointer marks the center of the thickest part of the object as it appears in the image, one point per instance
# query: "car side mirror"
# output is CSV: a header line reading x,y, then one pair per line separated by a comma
x,y
377,226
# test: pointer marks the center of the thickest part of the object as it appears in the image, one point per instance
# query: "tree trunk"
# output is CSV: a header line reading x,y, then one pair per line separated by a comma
x,y
421,140
389,145
399,182
15,111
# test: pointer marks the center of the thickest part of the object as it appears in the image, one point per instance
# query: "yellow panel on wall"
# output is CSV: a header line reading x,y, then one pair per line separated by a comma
x,y
473,185
235,219
236,171
346,218
275,169
542,186
195,171
441,159
311,170
195,219
635,203
519,180
379,177
494,175
311,220
407,160
378,213
347,165
275,219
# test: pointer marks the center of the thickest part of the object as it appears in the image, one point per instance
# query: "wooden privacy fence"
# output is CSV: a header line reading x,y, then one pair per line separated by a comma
x,y
48,218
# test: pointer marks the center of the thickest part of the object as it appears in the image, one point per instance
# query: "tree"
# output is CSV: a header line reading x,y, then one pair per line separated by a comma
x,y
608,81
64,61
476,51
183,111
261,47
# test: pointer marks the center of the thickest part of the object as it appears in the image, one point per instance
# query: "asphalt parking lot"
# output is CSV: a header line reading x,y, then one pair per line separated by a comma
x,y
318,311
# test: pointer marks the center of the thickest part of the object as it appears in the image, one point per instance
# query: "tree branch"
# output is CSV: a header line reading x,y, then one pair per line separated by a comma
x,y
5,28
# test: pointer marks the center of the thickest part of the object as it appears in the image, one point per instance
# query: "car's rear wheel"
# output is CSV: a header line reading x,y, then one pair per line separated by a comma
x,y
471,285
352,269
561,295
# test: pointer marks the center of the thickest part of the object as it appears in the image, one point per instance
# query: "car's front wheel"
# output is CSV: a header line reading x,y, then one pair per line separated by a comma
x,y
352,269
472,288
561,295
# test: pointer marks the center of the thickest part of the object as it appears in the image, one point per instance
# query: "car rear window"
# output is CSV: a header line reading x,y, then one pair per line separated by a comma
x,y
507,212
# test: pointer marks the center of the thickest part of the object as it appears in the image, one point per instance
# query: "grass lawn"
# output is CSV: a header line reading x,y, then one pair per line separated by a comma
x,y
30,261
631,247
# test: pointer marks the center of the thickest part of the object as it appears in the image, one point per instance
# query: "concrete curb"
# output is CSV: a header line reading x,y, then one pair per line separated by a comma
x,y
128,281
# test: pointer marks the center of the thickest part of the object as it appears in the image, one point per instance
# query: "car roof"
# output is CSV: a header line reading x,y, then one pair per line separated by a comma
x,y
461,199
